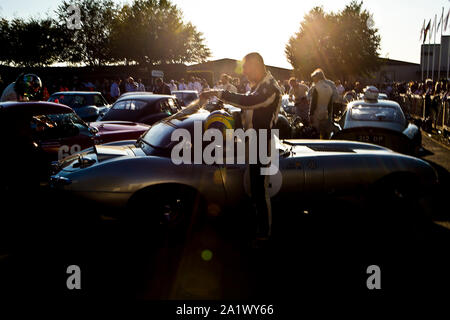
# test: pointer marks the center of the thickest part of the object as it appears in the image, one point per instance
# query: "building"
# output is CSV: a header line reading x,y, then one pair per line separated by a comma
x,y
396,71
429,59
231,67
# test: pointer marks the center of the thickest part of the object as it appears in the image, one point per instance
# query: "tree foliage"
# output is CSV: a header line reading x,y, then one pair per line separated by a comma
x,y
91,43
153,31
343,43
30,42
145,31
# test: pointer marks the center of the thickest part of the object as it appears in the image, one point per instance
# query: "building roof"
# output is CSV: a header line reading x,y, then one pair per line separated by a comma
x,y
392,62
227,60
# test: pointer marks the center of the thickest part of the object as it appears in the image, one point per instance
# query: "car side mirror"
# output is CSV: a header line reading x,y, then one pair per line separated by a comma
x,y
93,130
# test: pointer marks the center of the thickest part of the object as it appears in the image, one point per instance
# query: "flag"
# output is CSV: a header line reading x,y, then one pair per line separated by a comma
x,y
422,30
426,31
440,20
446,20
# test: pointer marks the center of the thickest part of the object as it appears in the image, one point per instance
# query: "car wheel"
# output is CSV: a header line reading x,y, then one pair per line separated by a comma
x,y
399,214
164,211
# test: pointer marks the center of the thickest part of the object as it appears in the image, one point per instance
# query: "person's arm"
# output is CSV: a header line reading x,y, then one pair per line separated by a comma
x,y
312,108
263,97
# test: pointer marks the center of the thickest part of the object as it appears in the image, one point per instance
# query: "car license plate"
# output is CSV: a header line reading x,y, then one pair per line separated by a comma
x,y
371,139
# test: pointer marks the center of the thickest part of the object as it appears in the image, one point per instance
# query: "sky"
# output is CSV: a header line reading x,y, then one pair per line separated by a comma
x,y
233,28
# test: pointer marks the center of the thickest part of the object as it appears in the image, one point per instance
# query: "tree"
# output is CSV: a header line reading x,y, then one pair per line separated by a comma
x,y
153,31
91,43
30,43
343,44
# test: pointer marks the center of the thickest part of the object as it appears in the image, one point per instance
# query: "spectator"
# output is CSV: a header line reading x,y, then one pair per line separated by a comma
x,y
226,85
298,94
161,87
141,86
131,85
115,89
172,86
321,95
182,85
340,88
205,85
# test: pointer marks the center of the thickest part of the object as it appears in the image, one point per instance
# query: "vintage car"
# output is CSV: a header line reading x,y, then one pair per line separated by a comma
x,y
185,96
380,122
142,175
88,105
142,107
53,131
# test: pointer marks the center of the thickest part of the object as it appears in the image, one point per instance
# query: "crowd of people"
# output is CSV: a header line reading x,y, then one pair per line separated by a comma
x,y
308,96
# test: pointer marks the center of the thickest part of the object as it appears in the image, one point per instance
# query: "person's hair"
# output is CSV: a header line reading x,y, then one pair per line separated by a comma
x,y
255,56
318,74
292,79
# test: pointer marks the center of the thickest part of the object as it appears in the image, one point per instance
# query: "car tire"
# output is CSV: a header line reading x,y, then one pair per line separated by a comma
x,y
164,211
399,215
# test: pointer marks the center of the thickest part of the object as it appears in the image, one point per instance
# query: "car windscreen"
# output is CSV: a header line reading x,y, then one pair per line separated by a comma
x,y
377,113
159,135
53,126
73,101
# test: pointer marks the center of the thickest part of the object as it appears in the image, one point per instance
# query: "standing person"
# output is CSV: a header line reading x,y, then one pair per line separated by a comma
x,y
141,86
260,110
226,85
182,85
161,87
122,85
114,91
321,103
131,85
198,85
191,85
205,85
340,88
298,93
172,86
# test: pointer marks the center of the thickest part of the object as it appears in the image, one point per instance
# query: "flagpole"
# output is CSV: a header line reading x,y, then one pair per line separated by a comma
x,y
434,46
428,51
440,46
422,53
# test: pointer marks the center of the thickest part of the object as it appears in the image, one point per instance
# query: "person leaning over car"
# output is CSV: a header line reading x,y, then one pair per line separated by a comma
x,y
320,109
260,111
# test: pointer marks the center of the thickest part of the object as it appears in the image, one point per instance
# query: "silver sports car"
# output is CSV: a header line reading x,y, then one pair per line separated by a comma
x,y
140,174
380,122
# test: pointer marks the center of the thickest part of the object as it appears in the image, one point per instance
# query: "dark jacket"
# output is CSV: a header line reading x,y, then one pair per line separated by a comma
x,y
164,89
262,104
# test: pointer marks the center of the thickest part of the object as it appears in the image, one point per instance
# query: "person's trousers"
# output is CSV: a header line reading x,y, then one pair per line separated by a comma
x,y
259,185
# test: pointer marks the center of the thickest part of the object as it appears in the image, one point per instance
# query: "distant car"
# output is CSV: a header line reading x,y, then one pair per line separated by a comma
x,y
135,92
380,122
382,96
185,96
51,131
88,105
143,108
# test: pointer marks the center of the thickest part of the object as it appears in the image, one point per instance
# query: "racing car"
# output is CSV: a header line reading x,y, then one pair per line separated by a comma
x,y
378,121
47,131
141,175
